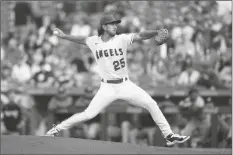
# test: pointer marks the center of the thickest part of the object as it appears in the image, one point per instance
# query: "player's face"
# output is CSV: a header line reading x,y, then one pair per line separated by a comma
x,y
111,29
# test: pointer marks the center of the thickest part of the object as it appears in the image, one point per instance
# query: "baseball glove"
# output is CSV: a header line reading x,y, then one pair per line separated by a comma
x,y
162,37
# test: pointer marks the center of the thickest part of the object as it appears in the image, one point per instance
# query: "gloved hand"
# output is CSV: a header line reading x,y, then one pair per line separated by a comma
x,y
162,37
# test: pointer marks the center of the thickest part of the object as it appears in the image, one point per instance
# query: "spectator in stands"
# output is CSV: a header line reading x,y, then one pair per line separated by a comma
x,y
190,76
61,101
176,33
50,55
188,31
173,72
192,108
223,69
30,42
46,53
4,98
65,74
37,59
12,43
13,96
135,66
45,31
30,46
200,44
185,47
11,116
159,71
2,48
6,78
209,79
17,102
225,131
80,28
13,52
218,42
180,47
44,77
80,65
21,71
67,77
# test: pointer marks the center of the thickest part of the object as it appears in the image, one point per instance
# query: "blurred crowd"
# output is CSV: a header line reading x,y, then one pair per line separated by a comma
x,y
198,54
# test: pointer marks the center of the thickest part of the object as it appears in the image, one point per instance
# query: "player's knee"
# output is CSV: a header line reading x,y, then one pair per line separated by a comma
x,y
150,105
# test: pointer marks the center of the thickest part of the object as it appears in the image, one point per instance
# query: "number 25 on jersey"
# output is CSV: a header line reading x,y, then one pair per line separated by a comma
x,y
118,64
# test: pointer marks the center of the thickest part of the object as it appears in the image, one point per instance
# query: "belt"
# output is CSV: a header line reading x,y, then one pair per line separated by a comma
x,y
115,81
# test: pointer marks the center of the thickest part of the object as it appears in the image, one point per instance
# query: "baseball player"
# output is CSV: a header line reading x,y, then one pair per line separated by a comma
x,y
110,52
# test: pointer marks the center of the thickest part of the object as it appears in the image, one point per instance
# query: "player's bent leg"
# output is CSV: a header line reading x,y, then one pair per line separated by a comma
x,y
138,97
101,100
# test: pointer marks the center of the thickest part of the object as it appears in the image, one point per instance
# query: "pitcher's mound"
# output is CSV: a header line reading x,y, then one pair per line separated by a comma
x,y
58,145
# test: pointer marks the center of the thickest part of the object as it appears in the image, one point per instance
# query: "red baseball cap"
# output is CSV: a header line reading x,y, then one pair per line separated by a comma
x,y
107,19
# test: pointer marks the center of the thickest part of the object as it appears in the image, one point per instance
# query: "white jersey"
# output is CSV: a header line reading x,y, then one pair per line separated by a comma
x,y
111,60
111,56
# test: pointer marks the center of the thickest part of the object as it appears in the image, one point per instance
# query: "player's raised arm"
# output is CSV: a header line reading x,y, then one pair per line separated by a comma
x,y
76,39
160,36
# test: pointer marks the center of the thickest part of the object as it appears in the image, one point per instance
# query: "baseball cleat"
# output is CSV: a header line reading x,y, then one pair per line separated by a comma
x,y
52,132
172,139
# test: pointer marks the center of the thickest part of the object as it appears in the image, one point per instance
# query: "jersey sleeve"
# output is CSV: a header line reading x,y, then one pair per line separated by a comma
x,y
128,38
90,41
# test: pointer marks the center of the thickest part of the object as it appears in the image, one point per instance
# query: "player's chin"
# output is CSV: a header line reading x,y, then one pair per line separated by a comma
x,y
113,33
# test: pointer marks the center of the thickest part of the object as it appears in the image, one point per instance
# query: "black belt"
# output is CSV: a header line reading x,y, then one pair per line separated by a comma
x,y
115,81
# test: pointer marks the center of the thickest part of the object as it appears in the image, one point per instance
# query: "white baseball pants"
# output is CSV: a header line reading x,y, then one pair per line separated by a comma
x,y
108,93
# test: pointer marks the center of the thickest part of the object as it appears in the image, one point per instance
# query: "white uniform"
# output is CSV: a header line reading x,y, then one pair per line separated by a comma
x,y
111,57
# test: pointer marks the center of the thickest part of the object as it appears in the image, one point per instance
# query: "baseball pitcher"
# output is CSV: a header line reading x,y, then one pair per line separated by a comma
x,y
110,52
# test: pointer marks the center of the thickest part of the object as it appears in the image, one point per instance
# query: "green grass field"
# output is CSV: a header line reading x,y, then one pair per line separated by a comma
x,y
59,145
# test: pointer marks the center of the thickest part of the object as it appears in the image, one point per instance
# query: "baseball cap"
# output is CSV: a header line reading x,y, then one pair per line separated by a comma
x,y
107,19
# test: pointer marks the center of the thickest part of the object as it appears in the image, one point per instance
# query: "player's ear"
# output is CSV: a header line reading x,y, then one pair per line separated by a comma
x,y
104,27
